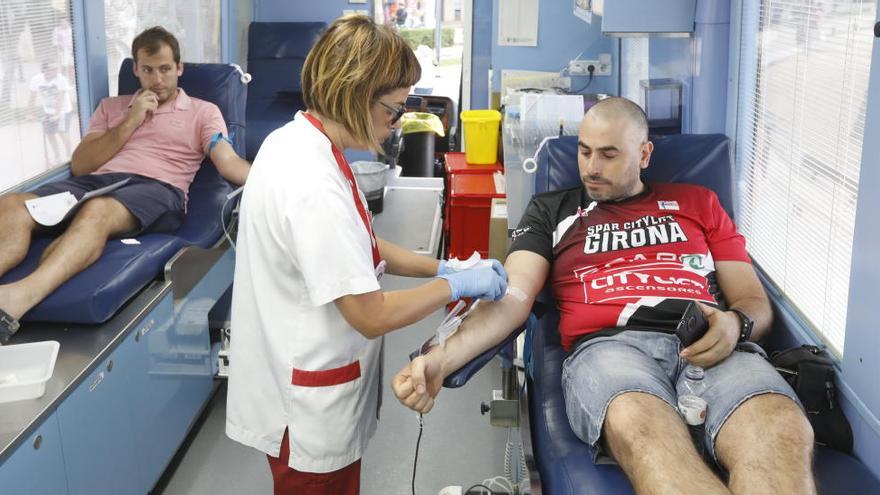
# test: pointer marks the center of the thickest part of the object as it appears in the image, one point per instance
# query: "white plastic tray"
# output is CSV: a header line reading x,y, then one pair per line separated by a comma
x,y
25,369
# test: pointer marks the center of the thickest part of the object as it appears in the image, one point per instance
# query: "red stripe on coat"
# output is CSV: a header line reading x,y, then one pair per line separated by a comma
x,y
326,378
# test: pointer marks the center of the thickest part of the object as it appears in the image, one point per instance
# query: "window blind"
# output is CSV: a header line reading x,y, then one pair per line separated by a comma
x,y
195,24
800,125
39,126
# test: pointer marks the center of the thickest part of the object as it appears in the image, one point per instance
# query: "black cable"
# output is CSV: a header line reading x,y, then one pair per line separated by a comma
x,y
590,81
416,459
478,485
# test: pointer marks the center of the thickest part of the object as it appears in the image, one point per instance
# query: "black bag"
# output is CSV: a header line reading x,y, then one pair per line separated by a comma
x,y
810,372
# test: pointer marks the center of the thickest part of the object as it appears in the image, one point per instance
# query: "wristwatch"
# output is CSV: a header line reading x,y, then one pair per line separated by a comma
x,y
746,324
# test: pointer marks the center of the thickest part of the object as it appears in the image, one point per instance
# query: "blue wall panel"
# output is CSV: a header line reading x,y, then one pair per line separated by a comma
x,y
90,51
861,351
481,52
710,73
561,37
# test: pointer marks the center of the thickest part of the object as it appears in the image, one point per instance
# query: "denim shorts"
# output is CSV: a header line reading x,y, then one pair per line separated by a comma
x,y
158,207
602,368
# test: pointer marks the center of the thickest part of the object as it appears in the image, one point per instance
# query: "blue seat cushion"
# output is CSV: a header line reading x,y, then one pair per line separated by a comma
x,y
95,294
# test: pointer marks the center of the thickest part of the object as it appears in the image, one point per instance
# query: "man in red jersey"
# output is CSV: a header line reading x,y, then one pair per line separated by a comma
x,y
624,258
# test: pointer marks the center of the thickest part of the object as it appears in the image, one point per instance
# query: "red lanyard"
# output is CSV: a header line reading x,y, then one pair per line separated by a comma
x,y
346,171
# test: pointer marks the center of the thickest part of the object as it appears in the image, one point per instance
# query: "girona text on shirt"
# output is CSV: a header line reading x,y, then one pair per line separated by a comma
x,y
646,231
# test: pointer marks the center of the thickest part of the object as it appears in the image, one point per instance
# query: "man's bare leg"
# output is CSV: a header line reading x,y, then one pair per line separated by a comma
x,y
767,447
653,446
16,230
80,246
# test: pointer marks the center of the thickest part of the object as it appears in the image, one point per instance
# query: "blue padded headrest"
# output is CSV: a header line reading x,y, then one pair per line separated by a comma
x,y
289,42
218,83
702,159
282,39
276,54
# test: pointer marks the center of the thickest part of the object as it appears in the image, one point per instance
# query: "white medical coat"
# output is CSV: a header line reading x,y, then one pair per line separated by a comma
x,y
294,361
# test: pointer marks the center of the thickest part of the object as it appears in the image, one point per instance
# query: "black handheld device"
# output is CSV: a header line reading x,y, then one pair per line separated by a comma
x,y
692,325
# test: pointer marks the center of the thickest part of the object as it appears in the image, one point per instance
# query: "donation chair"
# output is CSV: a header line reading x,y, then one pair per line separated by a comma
x,y
276,54
562,463
97,293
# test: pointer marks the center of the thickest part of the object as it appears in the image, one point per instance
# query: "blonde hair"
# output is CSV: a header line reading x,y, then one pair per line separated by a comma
x,y
353,63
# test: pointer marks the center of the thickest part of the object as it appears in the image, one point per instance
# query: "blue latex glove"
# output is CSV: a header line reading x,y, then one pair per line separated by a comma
x,y
479,283
444,269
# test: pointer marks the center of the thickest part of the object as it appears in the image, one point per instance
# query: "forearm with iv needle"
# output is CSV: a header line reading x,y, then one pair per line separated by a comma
x,y
486,326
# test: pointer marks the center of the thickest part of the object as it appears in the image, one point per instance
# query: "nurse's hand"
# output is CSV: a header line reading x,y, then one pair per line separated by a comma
x,y
419,382
479,283
443,268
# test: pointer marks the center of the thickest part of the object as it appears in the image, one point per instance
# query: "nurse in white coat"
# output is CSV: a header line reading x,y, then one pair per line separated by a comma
x,y
307,310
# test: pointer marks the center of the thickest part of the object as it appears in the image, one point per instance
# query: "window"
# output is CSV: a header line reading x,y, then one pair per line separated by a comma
x,y
196,25
804,71
39,126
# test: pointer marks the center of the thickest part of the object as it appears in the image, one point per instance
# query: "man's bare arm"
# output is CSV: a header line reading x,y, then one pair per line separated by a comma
x,y
418,383
741,288
98,147
231,166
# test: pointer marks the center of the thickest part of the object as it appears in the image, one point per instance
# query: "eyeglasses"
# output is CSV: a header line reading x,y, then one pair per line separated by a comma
x,y
397,112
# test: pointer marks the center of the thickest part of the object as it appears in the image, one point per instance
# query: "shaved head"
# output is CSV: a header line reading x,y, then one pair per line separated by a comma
x,y
622,108
613,148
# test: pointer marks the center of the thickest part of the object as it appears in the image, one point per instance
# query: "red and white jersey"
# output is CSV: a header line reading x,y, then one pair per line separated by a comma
x,y
633,263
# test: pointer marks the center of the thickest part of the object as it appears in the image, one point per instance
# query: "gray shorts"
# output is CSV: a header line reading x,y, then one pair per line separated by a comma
x,y
157,206
602,368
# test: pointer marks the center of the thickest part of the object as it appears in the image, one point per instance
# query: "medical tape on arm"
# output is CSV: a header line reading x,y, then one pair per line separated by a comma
x,y
216,138
451,324
516,293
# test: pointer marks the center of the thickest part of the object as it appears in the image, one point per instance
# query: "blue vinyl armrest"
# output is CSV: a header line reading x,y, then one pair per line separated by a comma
x,y
461,376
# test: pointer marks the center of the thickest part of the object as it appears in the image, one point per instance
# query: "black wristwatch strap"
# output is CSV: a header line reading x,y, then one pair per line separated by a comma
x,y
746,324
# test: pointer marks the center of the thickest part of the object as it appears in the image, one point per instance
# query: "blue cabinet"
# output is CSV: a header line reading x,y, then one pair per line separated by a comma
x,y
171,379
37,466
97,431
646,17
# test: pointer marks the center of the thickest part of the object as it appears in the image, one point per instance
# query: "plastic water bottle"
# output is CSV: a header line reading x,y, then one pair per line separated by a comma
x,y
692,405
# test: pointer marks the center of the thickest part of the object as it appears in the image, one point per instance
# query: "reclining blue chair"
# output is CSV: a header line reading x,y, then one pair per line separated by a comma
x,y
276,53
98,292
142,312
564,464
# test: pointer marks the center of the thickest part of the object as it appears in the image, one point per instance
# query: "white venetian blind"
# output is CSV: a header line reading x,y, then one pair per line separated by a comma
x,y
195,24
801,121
39,126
